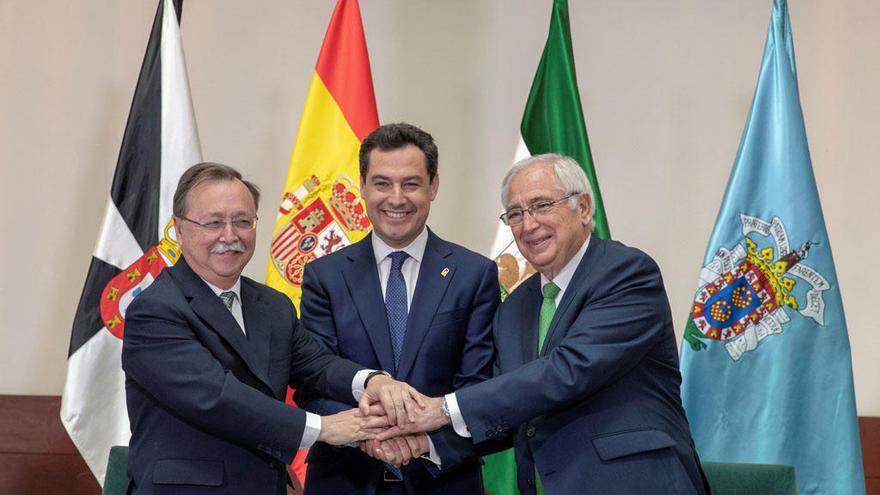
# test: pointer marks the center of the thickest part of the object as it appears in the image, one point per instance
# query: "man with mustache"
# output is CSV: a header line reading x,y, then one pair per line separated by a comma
x,y
208,356
405,301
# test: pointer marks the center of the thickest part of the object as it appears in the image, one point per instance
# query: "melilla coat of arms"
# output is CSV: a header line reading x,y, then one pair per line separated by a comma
x,y
748,293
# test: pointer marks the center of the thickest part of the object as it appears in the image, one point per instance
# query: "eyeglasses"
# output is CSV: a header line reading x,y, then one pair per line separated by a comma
x,y
515,216
215,226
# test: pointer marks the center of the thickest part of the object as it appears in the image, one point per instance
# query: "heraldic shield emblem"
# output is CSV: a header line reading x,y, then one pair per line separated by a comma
x,y
129,283
321,217
749,292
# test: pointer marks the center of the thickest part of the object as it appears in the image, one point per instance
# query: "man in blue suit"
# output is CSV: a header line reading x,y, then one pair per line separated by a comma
x,y
587,380
407,302
208,356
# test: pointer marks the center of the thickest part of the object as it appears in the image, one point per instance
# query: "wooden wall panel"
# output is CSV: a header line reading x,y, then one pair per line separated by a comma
x,y
869,428
36,455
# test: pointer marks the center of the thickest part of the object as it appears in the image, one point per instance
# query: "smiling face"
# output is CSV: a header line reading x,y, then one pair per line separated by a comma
x,y
217,257
551,240
398,194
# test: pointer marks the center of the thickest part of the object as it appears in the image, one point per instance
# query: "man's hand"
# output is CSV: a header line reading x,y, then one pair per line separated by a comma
x,y
428,418
397,451
345,428
400,401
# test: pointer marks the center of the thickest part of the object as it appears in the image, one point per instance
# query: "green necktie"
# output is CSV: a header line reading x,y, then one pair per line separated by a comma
x,y
548,309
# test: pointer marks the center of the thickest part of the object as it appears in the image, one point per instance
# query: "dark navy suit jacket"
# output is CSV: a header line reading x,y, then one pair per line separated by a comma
x,y
206,401
598,411
448,345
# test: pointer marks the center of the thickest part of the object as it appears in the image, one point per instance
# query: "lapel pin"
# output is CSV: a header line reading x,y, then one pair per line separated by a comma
x,y
444,272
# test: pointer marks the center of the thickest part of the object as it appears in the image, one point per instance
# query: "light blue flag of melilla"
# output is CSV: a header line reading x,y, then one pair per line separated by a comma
x,y
766,358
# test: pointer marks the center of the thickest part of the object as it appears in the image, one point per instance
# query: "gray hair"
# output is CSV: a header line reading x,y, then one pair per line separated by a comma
x,y
569,174
207,172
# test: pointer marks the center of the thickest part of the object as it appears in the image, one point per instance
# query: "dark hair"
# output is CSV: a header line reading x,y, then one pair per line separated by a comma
x,y
395,136
205,172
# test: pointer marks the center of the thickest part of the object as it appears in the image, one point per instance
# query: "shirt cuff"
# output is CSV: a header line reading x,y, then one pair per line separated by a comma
x,y
432,454
357,384
311,431
458,423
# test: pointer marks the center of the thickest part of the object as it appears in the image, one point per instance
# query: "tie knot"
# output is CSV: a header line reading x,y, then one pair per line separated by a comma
x,y
550,290
228,298
397,259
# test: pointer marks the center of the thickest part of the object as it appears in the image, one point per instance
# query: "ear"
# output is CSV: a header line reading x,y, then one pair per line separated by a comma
x,y
585,208
435,186
177,223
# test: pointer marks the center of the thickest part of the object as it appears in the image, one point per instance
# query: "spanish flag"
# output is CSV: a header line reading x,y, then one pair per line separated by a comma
x,y
321,208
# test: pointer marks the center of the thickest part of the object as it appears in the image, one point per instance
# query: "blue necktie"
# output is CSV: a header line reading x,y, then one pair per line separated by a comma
x,y
395,307
395,304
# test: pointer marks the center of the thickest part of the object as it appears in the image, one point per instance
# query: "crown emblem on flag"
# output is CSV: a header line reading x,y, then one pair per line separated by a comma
x,y
747,294
346,202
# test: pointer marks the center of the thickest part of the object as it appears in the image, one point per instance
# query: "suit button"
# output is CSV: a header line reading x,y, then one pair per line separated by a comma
x,y
531,483
490,433
530,431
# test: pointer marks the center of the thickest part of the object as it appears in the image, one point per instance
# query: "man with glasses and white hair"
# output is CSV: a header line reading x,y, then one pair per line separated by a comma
x,y
208,356
586,384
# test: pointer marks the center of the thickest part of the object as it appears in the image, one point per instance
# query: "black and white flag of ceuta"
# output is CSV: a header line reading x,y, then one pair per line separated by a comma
x,y
136,241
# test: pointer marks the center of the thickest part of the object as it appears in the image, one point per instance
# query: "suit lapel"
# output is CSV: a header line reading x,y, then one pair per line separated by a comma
x,y
362,279
530,313
210,309
258,322
580,283
435,274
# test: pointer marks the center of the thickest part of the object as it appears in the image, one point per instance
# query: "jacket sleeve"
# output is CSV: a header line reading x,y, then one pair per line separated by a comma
x,y
614,327
317,322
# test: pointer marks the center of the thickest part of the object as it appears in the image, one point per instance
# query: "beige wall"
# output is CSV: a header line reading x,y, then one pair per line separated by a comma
x,y
665,87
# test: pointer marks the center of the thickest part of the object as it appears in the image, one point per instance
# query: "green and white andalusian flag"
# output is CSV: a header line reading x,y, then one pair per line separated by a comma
x,y
553,122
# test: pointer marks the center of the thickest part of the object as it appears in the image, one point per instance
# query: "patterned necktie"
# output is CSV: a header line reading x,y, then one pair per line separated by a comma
x,y
548,309
228,298
395,303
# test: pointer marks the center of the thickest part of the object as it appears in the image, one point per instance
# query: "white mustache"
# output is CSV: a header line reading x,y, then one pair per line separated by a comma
x,y
222,247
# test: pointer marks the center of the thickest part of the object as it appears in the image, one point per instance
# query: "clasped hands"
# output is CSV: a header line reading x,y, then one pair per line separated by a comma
x,y
390,423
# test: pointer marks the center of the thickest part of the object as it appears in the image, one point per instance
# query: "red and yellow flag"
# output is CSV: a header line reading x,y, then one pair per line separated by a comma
x,y
321,208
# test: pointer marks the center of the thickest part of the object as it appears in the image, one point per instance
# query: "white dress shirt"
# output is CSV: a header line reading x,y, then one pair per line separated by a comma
x,y
410,268
562,280
236,302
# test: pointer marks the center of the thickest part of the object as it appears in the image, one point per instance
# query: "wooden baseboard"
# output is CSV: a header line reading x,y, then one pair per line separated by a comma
x,y
37,456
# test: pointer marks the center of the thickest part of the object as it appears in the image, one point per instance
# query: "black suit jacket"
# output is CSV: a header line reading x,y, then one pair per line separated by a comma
x,y
205,401
598,411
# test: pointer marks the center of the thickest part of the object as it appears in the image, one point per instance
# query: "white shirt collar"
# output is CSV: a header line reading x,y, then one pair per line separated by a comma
x,y
236,287
416,249
563,278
